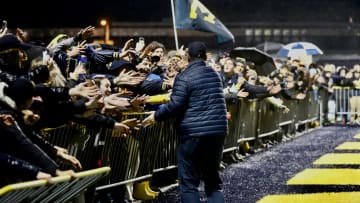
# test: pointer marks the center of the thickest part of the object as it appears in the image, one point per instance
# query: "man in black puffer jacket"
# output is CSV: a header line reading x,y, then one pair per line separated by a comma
x,y
197,101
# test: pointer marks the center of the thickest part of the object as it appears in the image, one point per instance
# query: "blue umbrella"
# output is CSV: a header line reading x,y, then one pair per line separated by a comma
x,y
297,49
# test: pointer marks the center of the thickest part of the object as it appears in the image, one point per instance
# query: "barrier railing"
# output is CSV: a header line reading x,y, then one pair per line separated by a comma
x,y
137,156
58,189
269,120
345,99
248,120
341,106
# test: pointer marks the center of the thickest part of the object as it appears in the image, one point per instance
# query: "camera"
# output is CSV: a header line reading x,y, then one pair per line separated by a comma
x,y
154,59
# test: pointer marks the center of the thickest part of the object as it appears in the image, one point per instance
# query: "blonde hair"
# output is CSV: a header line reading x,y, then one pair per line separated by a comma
x,y
56,78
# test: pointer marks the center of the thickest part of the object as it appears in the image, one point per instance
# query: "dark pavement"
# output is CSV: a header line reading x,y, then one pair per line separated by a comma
x,y
266,172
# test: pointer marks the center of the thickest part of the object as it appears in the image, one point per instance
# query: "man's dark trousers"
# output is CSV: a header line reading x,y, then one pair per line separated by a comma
x,y
199,159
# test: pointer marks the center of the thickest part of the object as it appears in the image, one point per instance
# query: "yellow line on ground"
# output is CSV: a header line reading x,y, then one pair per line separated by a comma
x,y
339,159
332,197
349,146
357,136
325,176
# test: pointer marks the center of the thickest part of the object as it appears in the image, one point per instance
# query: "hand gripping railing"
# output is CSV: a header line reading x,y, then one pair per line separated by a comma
x,y
57,189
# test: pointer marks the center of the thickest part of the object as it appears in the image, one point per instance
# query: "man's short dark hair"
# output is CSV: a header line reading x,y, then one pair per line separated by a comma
x,y
197,49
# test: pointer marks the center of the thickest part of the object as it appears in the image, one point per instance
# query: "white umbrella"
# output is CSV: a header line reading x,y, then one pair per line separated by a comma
x,y
298,49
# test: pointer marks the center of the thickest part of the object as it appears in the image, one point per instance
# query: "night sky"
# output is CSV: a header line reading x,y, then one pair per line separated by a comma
x,y
80,13
75,13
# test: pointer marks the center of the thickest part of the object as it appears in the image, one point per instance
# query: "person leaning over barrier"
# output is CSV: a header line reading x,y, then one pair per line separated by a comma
x,y
14,170
198,102
19,140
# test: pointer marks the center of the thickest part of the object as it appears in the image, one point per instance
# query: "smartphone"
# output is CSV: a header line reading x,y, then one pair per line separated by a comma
x,y
140,44
72,64
4,24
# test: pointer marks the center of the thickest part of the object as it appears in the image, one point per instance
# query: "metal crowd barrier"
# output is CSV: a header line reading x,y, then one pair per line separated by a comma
x,y
269,120
287,120
346,103
235,128
341,106
306,109
132,158
248,120
148,150
57,190
323,98
253,120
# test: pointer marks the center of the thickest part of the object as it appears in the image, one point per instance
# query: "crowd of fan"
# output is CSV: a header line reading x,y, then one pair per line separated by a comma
x,y
75,80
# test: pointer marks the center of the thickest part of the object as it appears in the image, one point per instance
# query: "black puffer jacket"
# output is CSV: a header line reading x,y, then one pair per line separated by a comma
x,y
14,169
198,102
19,141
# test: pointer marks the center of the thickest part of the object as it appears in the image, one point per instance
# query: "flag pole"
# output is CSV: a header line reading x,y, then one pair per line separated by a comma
x,y
174,25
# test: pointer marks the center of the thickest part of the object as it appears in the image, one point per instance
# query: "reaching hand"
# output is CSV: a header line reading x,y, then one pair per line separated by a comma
x,y
300,96
138,102
125,93
132,123
285,109
42,175
21,35
129,78
3,31
84,89
60,149
86,32
115,102
274,89
242,93
150,120
146,51
79,49
169,81
6,120
127,52
79,69
64,173
70,159
124,128
120,130
95,102
128,44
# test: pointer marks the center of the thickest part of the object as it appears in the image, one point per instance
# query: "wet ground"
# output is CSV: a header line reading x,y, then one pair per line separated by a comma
x,y
266,172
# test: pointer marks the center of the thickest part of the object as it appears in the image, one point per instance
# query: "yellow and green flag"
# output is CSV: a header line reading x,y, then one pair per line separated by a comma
x,y
193,15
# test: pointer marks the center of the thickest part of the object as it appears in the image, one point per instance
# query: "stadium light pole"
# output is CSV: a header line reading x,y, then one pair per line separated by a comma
x,y
106,26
